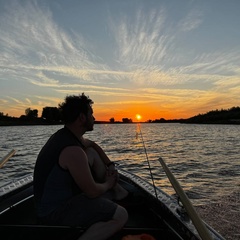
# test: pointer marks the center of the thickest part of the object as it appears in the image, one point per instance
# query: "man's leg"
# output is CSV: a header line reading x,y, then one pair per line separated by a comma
x,y
97,165
99,171
104,230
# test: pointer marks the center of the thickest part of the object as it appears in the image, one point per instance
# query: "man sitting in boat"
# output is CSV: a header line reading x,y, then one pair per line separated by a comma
x,y
75,183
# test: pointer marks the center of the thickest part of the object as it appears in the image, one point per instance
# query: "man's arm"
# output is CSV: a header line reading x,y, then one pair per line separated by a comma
x,y
74,159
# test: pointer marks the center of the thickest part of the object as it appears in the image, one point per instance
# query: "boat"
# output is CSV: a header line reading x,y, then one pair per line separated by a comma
x,y
152,213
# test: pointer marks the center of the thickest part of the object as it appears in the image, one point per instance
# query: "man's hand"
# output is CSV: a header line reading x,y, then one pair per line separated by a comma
x,y
111,168
111,178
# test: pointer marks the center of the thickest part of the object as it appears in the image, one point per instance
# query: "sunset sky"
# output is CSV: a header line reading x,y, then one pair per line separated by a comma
x,y
157,58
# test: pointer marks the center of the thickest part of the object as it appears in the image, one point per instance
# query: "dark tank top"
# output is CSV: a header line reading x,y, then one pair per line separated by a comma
x,y
52,184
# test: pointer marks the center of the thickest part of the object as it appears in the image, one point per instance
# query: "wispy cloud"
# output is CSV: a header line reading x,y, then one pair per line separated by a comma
x,y
139,38
192,21
35,40
46,55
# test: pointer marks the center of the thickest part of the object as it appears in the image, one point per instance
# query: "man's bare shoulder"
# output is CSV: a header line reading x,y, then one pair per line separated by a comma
x,y
72,155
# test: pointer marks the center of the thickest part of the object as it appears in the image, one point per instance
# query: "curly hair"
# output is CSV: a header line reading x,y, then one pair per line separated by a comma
x,y
74,105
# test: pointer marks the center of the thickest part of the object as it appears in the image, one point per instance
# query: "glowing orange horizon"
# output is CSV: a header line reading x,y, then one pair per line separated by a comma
x,y
142,115
139,113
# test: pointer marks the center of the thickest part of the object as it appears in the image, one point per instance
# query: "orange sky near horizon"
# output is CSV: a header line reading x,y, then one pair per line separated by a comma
x,y
147,111
104,114
144,113
105,108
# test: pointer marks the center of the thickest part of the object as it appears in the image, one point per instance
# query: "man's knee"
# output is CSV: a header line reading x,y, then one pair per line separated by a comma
x,y
121,216
97,166
91,154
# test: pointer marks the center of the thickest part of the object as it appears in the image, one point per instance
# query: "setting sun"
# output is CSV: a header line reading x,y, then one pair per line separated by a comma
x,y
138,117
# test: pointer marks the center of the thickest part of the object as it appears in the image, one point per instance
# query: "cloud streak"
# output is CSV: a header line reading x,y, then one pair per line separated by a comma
x,y
192,21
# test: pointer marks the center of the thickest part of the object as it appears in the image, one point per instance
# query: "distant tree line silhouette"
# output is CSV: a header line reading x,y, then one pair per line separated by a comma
x,y
231,115
49,114
124,120
52,115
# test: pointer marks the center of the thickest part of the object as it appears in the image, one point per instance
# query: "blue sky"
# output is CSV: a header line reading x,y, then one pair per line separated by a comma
x,y
170,59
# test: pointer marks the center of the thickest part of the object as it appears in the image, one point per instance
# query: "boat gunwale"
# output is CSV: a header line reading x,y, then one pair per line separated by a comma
x,y
170,203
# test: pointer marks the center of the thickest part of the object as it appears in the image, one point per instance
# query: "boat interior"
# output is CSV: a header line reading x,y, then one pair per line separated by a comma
x,y
146,216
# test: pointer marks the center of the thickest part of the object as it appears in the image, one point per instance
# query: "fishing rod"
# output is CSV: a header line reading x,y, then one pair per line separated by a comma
x,y
197,221
148,162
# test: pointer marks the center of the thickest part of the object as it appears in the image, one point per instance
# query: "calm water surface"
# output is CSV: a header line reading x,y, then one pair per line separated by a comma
x,y
204,158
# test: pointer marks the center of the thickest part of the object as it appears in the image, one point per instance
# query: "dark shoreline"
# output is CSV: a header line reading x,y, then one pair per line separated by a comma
x,y
44,123
230,117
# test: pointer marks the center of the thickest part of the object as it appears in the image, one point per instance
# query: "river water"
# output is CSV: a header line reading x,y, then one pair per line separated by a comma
x,y
205,160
